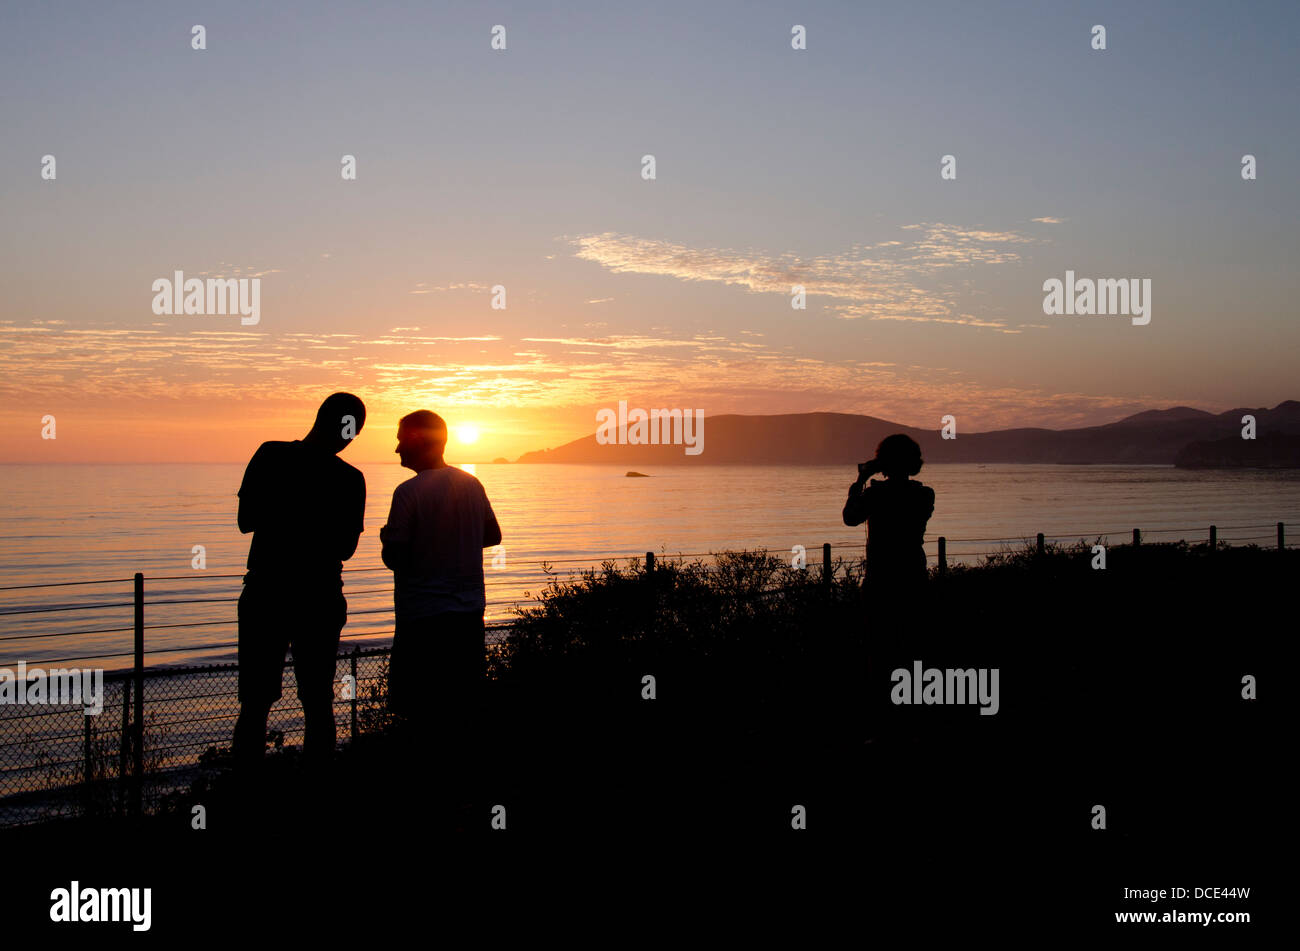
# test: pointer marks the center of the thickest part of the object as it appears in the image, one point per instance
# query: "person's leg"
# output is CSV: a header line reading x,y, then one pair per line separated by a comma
x,y
315,659
884,651
409,694
441,688
465,704
899,615
409,697
871,705
262,644
249,742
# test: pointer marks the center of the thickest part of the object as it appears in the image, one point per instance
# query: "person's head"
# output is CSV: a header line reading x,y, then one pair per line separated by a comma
x,y
899,456
338,421
421,439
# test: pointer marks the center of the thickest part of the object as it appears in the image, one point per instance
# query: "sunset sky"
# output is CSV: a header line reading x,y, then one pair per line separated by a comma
x,y
522,168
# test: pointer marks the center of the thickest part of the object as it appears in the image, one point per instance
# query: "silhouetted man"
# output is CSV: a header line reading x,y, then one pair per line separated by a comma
x,y
305,507
438,526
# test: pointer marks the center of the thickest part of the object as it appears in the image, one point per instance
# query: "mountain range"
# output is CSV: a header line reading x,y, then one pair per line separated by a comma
x,y
1154,437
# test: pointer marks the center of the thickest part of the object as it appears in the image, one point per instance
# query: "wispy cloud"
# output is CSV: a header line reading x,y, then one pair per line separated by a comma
x,y
423,287
1048,220
889,280
103,365
225,269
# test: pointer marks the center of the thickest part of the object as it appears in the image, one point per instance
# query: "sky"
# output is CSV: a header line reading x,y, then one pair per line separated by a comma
x,y
522,168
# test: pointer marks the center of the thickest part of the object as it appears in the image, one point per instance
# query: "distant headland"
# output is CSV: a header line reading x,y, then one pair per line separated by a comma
x,y
1176,436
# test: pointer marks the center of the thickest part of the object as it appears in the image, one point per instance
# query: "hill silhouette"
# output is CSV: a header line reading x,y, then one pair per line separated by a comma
x,y
1271,451
1153,437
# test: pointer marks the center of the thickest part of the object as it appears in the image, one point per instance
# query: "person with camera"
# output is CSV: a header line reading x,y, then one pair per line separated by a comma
x,y
896,510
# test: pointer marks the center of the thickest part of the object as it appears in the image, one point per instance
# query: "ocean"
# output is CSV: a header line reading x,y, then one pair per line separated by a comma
x,y
103,523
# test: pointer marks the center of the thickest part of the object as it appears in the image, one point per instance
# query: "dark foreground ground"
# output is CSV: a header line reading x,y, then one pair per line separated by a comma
x,y
1120,688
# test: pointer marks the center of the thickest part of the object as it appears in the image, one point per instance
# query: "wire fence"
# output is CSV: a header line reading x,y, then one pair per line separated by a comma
x,y
160,727
57,760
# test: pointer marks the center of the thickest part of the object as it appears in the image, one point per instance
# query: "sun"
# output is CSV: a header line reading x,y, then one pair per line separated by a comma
x,y
467,433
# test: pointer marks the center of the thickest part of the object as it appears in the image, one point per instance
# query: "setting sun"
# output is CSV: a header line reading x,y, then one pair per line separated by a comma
x,y
467,433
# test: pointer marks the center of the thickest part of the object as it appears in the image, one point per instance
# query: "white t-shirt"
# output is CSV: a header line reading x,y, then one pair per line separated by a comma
x,y
434,543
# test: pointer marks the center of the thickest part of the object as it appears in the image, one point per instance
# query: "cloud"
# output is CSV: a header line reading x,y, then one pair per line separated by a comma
x,y
891,280
424,288
113,365
238,270
1048,221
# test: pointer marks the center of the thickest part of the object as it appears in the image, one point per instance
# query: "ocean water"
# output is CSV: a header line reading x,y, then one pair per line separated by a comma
x,y
102,523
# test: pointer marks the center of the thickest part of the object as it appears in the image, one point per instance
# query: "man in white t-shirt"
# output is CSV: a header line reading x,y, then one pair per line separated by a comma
x,y
438,526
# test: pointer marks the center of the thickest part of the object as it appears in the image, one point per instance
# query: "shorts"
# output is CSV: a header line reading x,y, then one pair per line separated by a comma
x,y
275,618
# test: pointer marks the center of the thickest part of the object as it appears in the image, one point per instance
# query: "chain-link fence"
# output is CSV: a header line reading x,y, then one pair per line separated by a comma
x,y
57,760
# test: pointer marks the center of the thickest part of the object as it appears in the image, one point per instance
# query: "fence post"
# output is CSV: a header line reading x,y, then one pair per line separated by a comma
x,y
943,555
125,753
1137,537
652,600
1214,538
1042,546
826,565
1281,537
137,731
90,765
356,689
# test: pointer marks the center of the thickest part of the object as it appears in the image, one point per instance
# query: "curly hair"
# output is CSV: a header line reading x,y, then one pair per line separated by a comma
x,y
900,454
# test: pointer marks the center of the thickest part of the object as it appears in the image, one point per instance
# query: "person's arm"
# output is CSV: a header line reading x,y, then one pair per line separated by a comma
x,y
352,534
491,530
396,537
251,494
857,506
